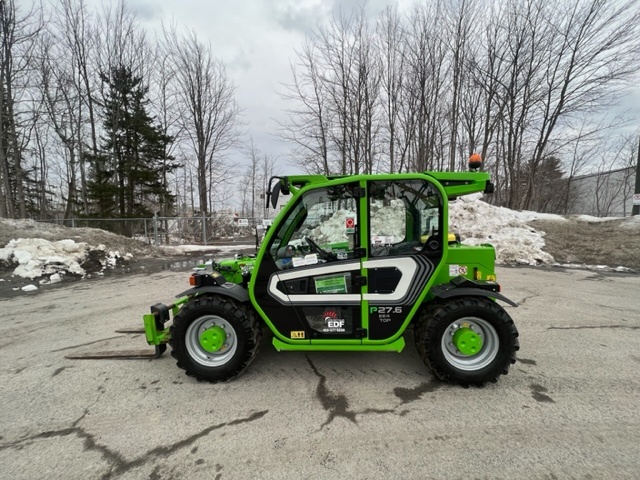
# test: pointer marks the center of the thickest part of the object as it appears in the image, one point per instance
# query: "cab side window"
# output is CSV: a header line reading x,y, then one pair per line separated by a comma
x,y
404,217
322,227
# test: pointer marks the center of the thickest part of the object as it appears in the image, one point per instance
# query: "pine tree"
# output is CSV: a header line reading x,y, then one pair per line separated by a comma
x,y
127,172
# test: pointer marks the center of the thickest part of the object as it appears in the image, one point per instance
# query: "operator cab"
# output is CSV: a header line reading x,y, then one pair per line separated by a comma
x,y
336,238
404,218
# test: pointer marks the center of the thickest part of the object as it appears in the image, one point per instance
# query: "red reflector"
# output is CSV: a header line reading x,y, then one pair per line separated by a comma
x,y
192,280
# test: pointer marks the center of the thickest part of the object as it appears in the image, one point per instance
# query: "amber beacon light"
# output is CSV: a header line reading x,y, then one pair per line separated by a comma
x,y
475,162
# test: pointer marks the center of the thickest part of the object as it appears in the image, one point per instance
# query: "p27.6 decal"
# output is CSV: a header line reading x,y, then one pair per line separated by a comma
x,y
385,310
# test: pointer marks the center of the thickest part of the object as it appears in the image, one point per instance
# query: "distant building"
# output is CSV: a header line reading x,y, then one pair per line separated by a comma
x,y
604,194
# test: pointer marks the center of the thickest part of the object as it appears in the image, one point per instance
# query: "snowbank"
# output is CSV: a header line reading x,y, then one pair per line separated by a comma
x,y
332,229
515,242
36,257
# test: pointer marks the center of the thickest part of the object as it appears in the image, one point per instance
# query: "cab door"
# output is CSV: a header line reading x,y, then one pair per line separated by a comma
x,y
308,280
405,245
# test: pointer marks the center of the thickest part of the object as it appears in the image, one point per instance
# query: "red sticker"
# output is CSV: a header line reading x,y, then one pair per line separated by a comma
x,y
350,222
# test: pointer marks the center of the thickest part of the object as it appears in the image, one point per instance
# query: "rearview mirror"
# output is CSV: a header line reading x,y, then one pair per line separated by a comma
x,y
275,193
281,186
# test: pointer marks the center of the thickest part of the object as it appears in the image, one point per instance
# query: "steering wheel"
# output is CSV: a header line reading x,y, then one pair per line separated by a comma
x,y
323,254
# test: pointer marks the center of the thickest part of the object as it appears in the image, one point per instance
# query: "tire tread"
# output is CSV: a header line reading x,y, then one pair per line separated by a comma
x,y
247,318
427,323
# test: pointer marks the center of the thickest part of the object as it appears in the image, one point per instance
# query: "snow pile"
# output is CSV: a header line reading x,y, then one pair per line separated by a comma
x,y
36,258
601,268
590,219
388,220
331,230
515,242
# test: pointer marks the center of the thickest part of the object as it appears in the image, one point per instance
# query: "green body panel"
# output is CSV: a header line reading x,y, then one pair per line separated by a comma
x,y
478,263
473,262
454,184
231,269
339,346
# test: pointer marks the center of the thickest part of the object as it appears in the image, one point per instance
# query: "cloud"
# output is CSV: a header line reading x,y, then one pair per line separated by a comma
x,y
301,16
145,10
371,7
241,61
305,15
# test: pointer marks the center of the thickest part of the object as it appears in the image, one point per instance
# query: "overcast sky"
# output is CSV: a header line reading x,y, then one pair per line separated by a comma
x,y
257,40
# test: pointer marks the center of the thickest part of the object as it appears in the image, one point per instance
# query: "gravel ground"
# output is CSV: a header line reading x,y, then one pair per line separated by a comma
x,y
566,410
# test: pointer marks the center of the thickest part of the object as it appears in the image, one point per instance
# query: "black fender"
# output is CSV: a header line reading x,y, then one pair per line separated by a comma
x,y
441,292
231,290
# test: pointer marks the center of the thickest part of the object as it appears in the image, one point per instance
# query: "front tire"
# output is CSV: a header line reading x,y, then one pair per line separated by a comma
x,y
468,340
214,339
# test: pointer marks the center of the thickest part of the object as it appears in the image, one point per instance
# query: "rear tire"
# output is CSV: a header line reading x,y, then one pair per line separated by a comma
x,y
488,320
242,343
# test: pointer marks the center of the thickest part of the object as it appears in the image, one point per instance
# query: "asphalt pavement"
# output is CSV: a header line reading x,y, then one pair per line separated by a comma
x,y
567,409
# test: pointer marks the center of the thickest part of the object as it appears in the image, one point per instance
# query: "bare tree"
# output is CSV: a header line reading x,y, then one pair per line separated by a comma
x,y
77,36
18,33
166,108
520,35
310,121
426,79
63,106
460,30
392,57
336,88
210,115
593,52
121,41
251,177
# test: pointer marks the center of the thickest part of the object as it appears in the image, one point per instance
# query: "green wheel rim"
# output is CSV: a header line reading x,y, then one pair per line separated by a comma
x,y
481,344
211,328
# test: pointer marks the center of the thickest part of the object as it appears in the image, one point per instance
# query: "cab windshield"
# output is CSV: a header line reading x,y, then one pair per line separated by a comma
x,y
321,227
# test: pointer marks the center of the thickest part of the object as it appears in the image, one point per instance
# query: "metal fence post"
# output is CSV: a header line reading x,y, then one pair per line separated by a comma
x,y
204,228
155,229
635,210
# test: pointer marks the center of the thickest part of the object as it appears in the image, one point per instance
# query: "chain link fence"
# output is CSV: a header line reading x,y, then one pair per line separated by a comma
x,y
175,230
